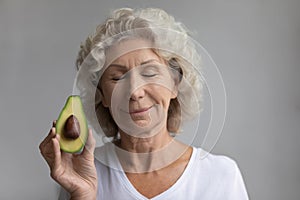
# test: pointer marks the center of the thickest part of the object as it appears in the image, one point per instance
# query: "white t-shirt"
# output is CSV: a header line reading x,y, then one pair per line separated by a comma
x,y
213,177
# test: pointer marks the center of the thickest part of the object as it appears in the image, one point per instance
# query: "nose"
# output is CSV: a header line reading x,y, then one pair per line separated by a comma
x,y
137,94
136,87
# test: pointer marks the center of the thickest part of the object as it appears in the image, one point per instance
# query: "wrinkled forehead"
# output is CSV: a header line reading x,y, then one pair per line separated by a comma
x,y
124,47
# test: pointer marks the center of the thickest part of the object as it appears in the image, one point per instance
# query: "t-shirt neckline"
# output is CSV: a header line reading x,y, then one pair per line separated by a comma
x,y
131,189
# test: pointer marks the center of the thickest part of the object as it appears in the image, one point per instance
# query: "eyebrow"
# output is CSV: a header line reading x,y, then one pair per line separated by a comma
x,y
142,63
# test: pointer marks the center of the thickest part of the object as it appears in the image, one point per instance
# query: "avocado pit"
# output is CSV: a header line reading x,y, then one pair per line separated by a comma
x,y
72,128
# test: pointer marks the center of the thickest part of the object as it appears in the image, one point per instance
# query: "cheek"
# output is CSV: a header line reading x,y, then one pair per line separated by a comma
x,y
162,94
115,95
106,94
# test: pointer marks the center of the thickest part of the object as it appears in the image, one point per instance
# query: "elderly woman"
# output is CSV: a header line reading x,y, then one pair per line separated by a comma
x,y
138,81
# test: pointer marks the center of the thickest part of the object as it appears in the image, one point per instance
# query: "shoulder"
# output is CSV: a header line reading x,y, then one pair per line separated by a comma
x,y
102,155
221,174
105,156
216,159
217,165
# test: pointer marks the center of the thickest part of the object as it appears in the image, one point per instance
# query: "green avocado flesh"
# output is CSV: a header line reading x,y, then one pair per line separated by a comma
x,y
73,107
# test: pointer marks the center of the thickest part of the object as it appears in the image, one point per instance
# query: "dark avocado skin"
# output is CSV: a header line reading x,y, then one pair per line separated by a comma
x,y
73,107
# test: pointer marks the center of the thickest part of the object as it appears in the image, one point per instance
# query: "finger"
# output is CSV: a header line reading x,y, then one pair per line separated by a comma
x,y
90,145
48,138
57,153
54,123
66,156
48,150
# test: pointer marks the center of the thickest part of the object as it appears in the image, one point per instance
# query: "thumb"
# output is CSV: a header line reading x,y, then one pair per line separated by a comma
x,y
89,145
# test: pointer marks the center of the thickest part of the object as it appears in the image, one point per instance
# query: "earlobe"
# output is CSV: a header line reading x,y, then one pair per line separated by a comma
x,y
104,103
174,93
101,96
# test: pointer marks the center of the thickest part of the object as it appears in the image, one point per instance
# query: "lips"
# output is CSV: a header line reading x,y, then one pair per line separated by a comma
x,y
140,110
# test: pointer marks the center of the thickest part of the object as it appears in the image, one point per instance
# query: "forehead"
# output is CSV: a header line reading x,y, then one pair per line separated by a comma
x,y
131,52
137,57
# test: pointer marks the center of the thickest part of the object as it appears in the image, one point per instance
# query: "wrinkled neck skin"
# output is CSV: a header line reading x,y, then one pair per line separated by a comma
x,y
140,155
144,145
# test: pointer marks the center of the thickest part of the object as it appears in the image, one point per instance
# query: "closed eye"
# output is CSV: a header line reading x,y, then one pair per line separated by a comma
x,y
149,75
118,78
150,70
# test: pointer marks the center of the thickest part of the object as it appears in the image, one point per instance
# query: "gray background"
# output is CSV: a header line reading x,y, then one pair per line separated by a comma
x,y
255,44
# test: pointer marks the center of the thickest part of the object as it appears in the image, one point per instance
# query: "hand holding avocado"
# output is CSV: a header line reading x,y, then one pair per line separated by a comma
x,y
75,172
72,126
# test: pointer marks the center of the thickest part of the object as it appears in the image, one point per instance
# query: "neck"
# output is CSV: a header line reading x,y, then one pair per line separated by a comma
x,y
144,145
138,155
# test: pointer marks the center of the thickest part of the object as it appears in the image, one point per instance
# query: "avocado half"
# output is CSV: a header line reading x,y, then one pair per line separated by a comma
x,y
72,109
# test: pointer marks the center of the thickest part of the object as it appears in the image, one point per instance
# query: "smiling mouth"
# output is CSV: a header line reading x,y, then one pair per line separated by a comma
x,y
140,111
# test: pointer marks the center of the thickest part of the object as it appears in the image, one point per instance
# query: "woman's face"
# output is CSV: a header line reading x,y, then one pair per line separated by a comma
x,y
137,88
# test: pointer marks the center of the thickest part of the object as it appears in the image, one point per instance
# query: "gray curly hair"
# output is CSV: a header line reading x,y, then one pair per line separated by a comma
x,y
172,43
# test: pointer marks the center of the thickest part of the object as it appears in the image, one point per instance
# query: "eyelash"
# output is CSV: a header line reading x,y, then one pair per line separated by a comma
x,y
117,78
123,76
149,75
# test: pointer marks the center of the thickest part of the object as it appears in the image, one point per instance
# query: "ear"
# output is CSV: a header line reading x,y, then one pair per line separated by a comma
x,y
103,100
174,92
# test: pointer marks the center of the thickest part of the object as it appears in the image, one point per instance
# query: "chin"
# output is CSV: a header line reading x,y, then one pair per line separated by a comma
x,y
142,123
